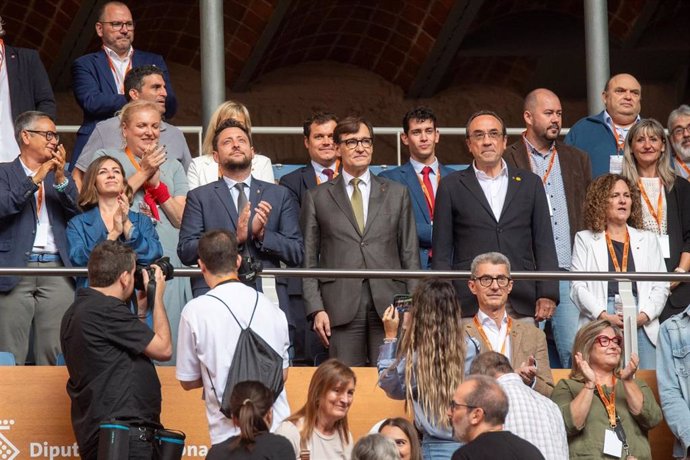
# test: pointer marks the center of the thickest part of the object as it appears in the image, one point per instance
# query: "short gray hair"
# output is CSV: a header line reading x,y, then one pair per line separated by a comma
x,y
25,121
682,111
494,258
488,395
375,447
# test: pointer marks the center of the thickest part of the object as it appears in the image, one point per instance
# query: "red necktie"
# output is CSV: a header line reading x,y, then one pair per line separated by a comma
x,y
429,190
328,172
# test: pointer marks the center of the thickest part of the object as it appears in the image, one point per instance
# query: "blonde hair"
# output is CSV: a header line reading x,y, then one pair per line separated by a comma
x,y
228,109
649,127
434,349
132,107
584,341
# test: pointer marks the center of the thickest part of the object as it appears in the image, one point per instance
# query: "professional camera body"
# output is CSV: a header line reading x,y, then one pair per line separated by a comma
x,y
165,266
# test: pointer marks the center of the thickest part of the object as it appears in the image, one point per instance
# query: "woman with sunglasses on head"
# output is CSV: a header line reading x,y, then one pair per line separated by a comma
x,y
604,407
614,242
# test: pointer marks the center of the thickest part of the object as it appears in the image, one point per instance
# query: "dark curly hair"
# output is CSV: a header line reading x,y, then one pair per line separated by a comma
x,y
597,200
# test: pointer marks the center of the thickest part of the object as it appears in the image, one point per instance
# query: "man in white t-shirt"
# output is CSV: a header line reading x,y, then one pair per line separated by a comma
x,y
208,333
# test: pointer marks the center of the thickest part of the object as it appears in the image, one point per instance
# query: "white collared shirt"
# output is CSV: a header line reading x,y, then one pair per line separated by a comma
x,y
120,66
234,192
494,188
318,168
44,240
364,187
433,177
10,149
495,335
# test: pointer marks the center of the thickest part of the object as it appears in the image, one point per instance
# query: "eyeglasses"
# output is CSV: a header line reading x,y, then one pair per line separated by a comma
x,y
604,341
487,281
479,136
680,130
454,405
117,25
49,135
366,142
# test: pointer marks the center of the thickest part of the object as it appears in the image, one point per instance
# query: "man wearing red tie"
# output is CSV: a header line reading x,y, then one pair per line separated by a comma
x,y
422,174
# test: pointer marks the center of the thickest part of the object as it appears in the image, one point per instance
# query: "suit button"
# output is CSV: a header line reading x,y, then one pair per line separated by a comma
x,y
27,253
499,230
362,244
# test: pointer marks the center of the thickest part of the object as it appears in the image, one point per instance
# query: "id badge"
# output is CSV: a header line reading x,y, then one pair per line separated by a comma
x,y
612,445
41,234
665,245
616,164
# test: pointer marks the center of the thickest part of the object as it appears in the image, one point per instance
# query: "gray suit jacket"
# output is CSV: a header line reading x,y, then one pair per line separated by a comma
x,y
333,240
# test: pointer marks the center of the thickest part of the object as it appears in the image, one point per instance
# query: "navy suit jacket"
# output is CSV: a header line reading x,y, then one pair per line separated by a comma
x,y
407,176
299,181
28,81
211,207
94,88
18,217
465,226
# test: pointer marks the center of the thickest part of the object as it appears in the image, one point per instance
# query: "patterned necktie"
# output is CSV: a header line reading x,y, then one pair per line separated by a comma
x,y
357,204
241,197
429,190
328,172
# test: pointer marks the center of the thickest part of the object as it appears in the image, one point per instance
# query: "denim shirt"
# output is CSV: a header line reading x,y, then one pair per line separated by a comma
x,y
394,384
673,378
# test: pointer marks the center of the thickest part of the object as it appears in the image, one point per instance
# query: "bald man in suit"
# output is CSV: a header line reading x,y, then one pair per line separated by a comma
x,y
356,221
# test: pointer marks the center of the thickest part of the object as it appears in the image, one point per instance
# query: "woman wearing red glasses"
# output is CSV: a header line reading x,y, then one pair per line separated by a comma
x,y
607,412
614,242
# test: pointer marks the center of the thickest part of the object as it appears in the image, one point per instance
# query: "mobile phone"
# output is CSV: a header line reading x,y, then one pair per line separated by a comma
x,y
402,302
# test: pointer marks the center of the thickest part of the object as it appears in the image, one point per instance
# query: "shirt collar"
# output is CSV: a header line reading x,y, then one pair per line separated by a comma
x,y
113,55
609,120
365,178
534,150
231,182
26,169
419,166
483,176
318,167
485,319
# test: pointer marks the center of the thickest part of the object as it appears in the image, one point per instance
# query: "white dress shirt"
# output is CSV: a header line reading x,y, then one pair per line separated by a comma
x,y
495,188
236,193
44,242
496,335
119,67
318,168
433,177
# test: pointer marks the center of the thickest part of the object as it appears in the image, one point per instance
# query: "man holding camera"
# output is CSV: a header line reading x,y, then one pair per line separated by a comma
x,y
108,352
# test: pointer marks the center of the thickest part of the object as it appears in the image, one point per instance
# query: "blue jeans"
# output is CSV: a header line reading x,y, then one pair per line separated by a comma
x,y
645,348
564,325
438,449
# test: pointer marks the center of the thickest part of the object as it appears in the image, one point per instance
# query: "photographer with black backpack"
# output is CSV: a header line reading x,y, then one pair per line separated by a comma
x,y
231,334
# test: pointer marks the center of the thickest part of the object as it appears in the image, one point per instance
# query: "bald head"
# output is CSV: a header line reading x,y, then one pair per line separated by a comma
x,y
543,117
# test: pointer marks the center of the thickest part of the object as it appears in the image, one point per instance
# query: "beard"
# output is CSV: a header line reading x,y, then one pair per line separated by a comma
x,y
231,164
684,152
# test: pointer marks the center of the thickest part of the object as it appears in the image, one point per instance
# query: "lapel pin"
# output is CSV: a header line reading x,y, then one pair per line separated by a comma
x,y
517,178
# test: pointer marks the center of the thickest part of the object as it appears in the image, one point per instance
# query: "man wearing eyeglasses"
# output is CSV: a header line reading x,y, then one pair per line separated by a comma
x,y
523,344
98,78
356,221
37,202
492,206
24,85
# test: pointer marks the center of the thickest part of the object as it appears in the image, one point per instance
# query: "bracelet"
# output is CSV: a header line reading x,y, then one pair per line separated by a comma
x,y
62,185
393,340
589,388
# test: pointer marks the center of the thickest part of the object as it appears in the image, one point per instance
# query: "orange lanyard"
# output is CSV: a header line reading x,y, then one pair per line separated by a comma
x,y
609,403
335,171
659,214
682,164
119,81
480,329
39,201
534,166
132,159
612,253
620,140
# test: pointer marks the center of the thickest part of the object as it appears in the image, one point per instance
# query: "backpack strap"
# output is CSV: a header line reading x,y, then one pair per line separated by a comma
x,y
256,302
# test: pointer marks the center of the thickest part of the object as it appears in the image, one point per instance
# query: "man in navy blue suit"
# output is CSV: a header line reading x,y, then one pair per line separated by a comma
x,y
422,174
98,78
238,201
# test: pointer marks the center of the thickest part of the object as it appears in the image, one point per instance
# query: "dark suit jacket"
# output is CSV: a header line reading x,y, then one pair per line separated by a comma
x,y
94,88
407,176
678,226
299,181
525,340
18,217
332,240
576,170
28,81
211,207
465,226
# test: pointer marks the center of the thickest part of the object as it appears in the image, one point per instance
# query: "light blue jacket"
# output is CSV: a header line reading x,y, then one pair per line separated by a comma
x,y
394,384
673,378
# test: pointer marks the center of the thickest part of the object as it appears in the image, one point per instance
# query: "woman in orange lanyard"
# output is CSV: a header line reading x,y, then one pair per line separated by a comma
x,y
160,191
665,202
607,412
613,242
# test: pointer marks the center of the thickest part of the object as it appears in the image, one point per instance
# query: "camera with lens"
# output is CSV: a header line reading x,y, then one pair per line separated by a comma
x,y
165,266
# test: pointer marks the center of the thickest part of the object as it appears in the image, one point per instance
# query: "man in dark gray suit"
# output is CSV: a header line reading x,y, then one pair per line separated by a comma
x,y
491,206
356,221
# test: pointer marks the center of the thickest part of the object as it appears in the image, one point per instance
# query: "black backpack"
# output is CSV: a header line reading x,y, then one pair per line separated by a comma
x,y
254,359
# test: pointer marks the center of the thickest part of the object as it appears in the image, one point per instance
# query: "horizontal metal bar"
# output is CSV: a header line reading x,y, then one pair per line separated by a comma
x,y
379,274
